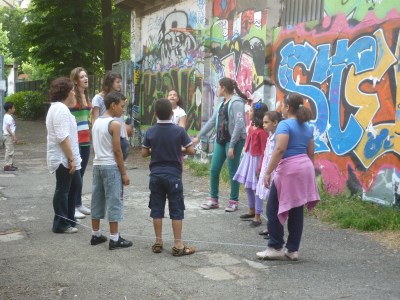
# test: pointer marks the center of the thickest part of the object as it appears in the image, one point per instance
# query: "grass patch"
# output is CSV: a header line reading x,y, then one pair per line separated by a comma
x,y
342,210
353,212
200,169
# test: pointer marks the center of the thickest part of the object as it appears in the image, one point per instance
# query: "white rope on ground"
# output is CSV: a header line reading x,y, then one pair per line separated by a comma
x,y
163,238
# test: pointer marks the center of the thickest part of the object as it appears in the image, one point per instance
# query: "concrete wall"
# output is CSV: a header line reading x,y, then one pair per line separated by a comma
x,y
347,67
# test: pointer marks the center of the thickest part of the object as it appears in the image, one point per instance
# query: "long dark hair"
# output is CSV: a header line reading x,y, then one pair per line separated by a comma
x,y
259,110
296,107
273,116
109,79
74,76
231,86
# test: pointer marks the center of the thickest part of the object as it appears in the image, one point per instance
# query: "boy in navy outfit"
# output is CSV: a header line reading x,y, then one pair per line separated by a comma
x,y
165,142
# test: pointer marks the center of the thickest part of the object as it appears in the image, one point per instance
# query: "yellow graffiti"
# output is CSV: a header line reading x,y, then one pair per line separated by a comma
x,y
369,103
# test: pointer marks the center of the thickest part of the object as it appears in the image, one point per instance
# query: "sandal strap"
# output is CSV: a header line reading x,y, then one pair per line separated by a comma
x,y
186,250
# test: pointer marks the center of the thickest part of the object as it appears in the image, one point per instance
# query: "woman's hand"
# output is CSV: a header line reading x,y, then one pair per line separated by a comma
x,y
195,140
72,167
267,180
231,154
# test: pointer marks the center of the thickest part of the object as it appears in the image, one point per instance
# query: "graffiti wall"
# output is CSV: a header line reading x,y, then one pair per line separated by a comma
x,y
236,45
348,70
173,58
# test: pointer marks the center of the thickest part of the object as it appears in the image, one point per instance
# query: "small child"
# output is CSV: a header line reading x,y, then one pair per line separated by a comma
x,y
250,166
164,142
270,122
179,115
9,136
109,174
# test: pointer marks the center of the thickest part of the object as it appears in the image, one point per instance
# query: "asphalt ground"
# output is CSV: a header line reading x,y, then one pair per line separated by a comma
x,y
38,264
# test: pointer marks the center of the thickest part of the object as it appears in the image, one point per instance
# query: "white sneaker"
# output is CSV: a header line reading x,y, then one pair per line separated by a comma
x,y
79,215
294,256
83,209
271,254
71,230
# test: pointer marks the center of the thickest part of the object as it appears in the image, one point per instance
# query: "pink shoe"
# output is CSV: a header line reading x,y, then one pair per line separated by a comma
x,y
210,204
232,206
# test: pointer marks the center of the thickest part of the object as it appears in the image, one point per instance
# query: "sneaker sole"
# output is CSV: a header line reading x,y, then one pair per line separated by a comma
x,y
209,207
117,248
272,258
291,258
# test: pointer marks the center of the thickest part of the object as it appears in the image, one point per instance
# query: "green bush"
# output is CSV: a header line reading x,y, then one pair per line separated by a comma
x,y
28,105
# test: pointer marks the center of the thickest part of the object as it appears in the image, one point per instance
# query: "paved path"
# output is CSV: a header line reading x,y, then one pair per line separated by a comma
x,y
37,264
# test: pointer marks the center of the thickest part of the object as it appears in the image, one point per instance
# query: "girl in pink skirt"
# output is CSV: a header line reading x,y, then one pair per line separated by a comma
x,y
250,165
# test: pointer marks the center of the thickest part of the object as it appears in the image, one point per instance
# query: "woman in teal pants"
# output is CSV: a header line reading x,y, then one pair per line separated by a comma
x,y
229,121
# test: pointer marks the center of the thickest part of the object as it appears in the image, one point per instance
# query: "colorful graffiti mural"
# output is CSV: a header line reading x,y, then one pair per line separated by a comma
x,y
356,10
237,45
173,57
349,73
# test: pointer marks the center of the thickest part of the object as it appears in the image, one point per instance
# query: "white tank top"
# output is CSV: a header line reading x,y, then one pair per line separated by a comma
x,y
102,142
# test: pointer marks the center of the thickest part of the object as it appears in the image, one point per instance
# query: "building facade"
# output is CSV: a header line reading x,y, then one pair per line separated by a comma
x,y
345,63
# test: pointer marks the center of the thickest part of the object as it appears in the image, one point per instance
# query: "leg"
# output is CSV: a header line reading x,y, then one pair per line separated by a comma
x,y
95,224
251,199
60,199
217,162
177,229
157,224
113,228
259,208
233,165
9,151
76,186
85,153
275,228
295,228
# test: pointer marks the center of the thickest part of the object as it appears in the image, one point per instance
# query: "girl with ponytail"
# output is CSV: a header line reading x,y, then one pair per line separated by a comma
x,y
228,120
294,180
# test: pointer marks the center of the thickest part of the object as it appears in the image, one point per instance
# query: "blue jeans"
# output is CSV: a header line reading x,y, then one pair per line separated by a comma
x,y
275,228
67,186
161,186
220,154
84,151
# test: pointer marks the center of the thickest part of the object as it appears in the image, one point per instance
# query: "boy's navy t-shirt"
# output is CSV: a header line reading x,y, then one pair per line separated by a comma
x,y
166,141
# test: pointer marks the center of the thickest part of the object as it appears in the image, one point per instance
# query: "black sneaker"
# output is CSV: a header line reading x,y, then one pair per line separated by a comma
x,y
95,240
121,243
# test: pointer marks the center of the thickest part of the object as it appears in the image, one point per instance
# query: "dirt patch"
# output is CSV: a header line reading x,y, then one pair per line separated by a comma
x,y
388,239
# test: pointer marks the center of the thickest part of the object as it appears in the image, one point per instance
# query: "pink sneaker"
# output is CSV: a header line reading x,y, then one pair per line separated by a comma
x,y
210,204
232,206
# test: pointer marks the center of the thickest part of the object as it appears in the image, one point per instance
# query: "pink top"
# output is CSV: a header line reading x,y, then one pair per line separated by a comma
x,y
296,184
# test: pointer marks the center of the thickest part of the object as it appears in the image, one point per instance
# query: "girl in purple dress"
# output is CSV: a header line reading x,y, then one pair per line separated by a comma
x,y
250,165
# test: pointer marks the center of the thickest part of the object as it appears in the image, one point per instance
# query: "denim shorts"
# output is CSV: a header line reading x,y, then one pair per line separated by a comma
x,y
107,193
162,186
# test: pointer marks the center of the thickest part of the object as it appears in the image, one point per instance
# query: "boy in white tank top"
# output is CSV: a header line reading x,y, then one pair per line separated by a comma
x,y
109,173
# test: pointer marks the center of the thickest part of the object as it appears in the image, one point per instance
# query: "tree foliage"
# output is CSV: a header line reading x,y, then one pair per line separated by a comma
x,y
13,20
66,34
4,46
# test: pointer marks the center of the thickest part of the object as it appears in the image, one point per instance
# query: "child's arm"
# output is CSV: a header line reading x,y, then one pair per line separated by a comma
x,y
145,152
189,150
115,127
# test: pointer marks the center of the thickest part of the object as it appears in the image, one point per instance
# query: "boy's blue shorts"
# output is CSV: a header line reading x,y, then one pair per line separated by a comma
x,y
107,194
162,186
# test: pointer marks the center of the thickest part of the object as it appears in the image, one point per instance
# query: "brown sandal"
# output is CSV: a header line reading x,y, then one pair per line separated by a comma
x,y
157,248
184,251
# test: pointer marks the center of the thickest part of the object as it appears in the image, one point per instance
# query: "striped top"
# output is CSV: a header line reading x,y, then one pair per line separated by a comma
x,y
82,120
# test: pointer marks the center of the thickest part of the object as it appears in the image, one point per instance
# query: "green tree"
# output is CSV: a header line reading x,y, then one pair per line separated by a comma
x,y
65,34
13,20
4,43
